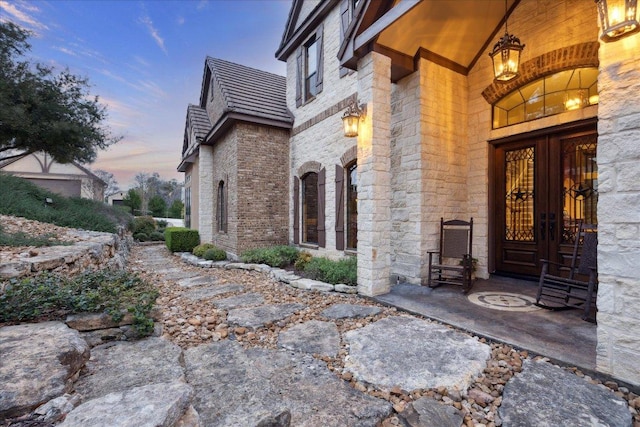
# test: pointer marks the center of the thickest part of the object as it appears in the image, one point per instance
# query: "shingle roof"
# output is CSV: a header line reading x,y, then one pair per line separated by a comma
x,y
199,120
250,91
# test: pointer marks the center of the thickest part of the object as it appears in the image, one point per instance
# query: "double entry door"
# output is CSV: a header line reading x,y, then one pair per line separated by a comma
x,y
544,187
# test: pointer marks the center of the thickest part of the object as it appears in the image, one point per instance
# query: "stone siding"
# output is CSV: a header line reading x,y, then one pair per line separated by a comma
x,y
618,213
206,191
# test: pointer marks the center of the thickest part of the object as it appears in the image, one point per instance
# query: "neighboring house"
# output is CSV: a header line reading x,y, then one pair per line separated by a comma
x,y
527,159
69,179
235,158
117,198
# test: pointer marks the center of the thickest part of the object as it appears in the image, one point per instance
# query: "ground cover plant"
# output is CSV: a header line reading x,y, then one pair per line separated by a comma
x,y
52,297
274,256
25,199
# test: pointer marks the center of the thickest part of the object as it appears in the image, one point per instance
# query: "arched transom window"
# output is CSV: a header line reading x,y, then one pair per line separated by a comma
x,y
552,94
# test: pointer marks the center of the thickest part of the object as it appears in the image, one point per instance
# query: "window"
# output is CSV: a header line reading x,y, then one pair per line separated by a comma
x,y
553,94
310,208
352,206
221,208
187,206
309,68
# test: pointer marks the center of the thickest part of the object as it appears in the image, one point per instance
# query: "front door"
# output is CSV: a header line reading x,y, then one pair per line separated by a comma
x,y
544,187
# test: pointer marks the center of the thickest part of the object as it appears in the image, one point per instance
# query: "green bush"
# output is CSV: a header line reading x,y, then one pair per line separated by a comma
x,y
334,272
302,260
274,256
141,237
144,224
25,199
181,239
202,248
157,236
214,254
53,297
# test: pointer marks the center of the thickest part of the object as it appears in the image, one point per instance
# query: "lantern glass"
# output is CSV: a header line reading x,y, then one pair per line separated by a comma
x,y
350,122
506,58
618,18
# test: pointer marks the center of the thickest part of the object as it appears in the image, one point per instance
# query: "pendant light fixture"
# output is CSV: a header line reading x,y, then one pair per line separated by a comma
x,y
506,54
618,18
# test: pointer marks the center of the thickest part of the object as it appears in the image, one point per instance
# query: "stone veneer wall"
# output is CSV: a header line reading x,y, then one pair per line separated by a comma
x,y
618,351
206,211
262,177
318,135
194,185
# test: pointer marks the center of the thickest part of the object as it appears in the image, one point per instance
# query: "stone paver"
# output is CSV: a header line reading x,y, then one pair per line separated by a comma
x,y
205,292
343,311
312,337
197,281
259,316
429,413
545,395
413,353
121,365
238,387
242,300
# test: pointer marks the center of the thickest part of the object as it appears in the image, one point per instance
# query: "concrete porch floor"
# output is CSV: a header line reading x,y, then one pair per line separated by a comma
x,y
559,335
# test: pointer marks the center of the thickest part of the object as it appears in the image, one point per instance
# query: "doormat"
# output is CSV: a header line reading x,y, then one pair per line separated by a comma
x,y
504,301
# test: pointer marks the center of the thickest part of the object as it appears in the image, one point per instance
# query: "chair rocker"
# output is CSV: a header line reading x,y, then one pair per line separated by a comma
x,y
579,288
452,263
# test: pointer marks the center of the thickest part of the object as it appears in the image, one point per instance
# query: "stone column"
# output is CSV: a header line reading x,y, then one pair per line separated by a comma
x,y
374,176
618,350
206,211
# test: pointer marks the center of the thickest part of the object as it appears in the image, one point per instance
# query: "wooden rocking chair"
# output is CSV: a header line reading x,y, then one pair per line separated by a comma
x,y
579,288
452,263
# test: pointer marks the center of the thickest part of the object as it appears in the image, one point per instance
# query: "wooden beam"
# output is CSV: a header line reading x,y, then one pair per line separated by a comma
x,y
441,60
384,22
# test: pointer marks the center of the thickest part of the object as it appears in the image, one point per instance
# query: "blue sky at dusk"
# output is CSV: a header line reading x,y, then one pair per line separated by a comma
x,y
145,60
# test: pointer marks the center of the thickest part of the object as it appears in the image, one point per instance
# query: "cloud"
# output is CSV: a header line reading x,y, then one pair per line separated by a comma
x,y
181,20
202,4
20,12
147,22
65,50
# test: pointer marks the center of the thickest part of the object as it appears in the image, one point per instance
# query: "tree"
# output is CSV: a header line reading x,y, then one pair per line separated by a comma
x,y
175,211
158,206
112,184
133,200
43,111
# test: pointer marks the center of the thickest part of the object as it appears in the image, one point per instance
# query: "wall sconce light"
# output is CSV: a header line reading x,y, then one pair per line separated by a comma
x,y
506,54
617,18
351,118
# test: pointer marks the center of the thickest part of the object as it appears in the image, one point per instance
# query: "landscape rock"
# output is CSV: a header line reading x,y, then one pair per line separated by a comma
x,y
204,292
312,337
242,300
345,289
312,285
344,311
197,281
543,394
161,404
37,364
56,409
121,365
243,387
437,357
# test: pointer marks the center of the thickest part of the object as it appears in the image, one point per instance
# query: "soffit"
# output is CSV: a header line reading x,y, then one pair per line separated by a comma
x,y
458,30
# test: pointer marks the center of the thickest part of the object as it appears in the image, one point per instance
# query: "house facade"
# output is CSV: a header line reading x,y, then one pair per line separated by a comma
x,y
69,180
528,159
234,156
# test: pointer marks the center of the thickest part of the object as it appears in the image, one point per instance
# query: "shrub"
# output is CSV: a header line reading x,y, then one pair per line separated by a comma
x,y
52,297
202,248
141,237
334,272
181,239
156,236
302,260
274,256
214,254
144,224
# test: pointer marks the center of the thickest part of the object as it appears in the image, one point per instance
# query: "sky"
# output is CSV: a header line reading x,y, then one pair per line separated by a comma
x,y
145,61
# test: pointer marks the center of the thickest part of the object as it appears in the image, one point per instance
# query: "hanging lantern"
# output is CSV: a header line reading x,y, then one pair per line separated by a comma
x,y
506,54
618,18
351,119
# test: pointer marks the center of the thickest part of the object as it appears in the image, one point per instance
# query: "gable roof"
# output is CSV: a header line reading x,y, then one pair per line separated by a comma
x,y
19,157
199,120
251,92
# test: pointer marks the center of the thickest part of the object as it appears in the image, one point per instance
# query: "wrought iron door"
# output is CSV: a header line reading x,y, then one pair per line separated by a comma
x,y
544,187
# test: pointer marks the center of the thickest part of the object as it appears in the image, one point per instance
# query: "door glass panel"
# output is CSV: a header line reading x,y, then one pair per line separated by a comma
x,y
580,185
519,194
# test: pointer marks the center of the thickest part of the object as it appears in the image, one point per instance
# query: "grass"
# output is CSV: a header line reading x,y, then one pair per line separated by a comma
x,y
24,199
52,297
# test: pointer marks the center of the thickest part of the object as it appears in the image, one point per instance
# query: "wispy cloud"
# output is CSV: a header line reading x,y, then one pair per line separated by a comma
x,y
202,4
151,88
181,20
65,50
153,31
22,12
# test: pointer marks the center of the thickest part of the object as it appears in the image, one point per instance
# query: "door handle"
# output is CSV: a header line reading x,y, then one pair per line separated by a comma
x,y
552,226
543,225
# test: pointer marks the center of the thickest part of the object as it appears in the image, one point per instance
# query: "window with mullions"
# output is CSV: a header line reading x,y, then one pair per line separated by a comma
x,y
553,94
310,208
352,206
311,68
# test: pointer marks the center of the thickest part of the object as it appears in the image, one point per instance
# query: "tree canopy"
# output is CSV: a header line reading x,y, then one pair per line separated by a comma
x,y
43,111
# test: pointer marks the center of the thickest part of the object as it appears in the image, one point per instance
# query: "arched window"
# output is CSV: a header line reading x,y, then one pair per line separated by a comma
x,y
352,206
552,94
221,208
310,208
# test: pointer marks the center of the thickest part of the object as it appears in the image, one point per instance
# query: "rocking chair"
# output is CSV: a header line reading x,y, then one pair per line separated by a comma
x,y
452,263
557,292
